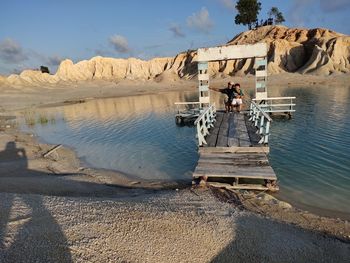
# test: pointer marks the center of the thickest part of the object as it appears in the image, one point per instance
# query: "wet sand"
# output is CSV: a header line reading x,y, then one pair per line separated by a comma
x,y
52,209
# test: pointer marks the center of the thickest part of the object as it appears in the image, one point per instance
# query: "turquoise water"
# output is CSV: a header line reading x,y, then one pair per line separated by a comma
x,y
138,136
311,153
133,135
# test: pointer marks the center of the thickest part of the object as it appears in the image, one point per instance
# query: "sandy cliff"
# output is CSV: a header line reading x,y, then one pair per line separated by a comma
x,y
316,51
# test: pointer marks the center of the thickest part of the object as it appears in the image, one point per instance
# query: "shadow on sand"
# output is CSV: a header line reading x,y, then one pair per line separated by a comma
x,y
28,231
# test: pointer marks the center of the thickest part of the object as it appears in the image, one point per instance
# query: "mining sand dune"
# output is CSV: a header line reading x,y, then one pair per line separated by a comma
x,y
290,50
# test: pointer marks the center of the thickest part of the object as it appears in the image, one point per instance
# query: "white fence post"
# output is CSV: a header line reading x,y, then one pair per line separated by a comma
x,y
261,121
203,123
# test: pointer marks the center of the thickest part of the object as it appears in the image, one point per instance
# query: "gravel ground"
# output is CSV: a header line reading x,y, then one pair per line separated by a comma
x,y
164,226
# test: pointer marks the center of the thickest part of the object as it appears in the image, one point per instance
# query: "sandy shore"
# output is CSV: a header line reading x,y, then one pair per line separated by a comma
x,y
54,210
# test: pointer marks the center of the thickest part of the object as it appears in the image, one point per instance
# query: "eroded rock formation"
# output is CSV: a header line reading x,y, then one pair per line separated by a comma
x,y
315,51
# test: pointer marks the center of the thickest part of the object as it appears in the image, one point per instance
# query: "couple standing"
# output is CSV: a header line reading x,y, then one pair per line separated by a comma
x,y
234,96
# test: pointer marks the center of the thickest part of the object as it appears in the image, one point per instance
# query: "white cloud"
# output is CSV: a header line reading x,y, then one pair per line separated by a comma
x,y
200,21
120,43
11,51
176,29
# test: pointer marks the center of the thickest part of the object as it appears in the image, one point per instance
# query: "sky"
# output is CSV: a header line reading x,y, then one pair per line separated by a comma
x,y
44,32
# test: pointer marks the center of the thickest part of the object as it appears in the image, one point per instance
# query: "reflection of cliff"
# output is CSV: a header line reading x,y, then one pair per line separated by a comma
x,y
317,51
110,108
341,96
119,107
335,103
332,103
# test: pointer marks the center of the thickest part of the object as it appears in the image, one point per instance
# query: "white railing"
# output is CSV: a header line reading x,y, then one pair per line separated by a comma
x,y
277,104
204,122
261,121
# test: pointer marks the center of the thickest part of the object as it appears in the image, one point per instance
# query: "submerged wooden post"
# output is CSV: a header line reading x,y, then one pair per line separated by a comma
x,y
52,150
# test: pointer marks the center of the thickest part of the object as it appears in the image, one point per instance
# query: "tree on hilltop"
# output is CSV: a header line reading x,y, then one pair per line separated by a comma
x,y
248,11
278,16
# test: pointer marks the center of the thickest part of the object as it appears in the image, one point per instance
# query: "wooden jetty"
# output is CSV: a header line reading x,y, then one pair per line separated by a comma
x,y
233,146
232,156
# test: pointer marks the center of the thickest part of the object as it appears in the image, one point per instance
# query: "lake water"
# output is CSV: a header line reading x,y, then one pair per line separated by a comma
x,y
138,136
311,153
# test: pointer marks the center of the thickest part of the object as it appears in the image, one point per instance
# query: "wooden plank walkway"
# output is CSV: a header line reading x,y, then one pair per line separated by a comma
x,y
233,158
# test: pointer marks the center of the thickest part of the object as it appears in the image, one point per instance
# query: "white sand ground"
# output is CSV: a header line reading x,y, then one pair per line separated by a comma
x,y
167,226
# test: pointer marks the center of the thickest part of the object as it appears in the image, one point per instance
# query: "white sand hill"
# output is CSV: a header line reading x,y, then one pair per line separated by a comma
x,y
293,50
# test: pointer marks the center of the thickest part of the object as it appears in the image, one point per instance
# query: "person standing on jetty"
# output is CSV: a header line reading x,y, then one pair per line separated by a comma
x,y
229,91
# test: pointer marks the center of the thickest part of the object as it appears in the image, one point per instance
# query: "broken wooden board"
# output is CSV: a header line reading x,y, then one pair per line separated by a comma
x,y
260,149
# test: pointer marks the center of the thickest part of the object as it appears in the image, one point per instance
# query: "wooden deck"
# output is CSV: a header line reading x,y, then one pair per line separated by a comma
x,y
233,158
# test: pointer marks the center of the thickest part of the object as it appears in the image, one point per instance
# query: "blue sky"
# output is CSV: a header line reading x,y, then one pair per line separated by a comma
x,y
34,33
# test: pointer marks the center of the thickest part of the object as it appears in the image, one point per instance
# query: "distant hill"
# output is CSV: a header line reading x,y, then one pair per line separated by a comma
x,y
315,51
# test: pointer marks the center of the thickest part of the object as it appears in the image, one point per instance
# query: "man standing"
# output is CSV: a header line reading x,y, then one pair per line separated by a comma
x,y
229,91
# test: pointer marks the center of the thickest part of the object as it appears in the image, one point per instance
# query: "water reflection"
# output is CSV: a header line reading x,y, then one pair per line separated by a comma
x,y
134,135
138,136
115,108
310,152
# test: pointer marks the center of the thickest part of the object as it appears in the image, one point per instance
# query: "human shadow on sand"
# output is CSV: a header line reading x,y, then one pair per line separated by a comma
x,y
28,231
